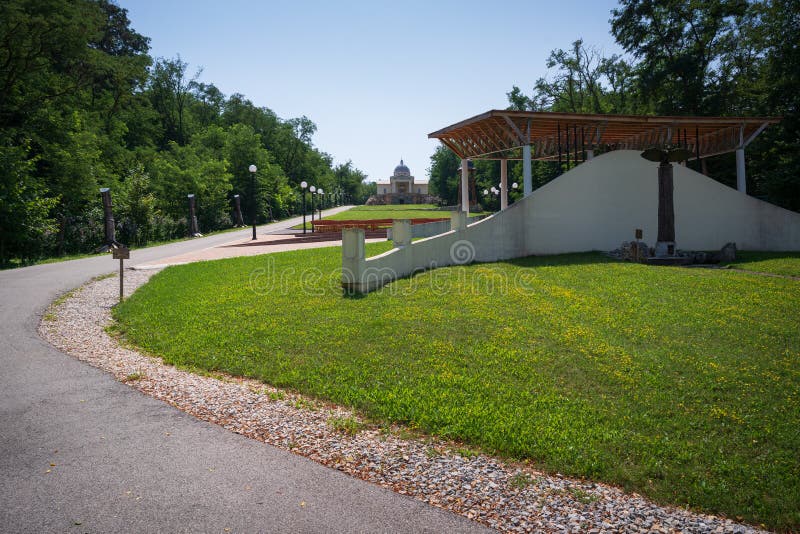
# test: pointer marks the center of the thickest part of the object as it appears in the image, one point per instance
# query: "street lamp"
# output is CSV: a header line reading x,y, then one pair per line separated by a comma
x,y
253,202
321,200
303,186
313,190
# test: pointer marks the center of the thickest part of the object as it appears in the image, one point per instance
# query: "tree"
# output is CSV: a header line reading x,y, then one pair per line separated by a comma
x,y
584,81
136,208
352,182
24,210
444,176
678,44
82,106
775,156
170,93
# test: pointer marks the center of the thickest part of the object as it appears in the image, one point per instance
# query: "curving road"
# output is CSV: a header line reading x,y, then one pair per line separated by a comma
x,y
125,462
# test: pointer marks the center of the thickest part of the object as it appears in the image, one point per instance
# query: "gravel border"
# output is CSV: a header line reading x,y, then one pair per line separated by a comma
x,y
503,495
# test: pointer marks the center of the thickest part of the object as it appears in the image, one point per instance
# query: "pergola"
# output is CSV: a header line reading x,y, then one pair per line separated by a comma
x,y
548,136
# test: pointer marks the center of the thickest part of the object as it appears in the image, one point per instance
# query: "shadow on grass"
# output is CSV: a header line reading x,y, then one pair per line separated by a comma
x,y
755,255
556,260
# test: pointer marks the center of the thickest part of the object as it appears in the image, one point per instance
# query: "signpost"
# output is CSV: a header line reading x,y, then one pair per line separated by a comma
x,y
121,253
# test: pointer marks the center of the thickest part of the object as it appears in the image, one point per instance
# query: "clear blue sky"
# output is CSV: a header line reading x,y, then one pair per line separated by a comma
x,y
376,77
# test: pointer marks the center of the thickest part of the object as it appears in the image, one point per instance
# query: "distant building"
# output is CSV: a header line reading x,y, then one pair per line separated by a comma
x,y
402,189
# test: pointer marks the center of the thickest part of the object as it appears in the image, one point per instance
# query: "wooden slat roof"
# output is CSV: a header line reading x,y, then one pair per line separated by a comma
x,y
498,134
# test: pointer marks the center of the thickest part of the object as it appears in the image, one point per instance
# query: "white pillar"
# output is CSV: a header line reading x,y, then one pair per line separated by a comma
x,y
741,178
589,154
353,260
527,181
503,184
465,186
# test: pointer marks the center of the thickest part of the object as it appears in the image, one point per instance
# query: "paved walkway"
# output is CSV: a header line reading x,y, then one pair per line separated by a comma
x,y
264,243
80,452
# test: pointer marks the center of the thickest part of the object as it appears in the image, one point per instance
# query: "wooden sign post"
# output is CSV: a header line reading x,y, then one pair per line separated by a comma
x,y
121,253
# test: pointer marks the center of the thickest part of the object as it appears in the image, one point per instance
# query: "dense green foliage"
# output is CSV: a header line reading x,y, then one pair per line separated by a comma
x,y
684,57
681,384
83,106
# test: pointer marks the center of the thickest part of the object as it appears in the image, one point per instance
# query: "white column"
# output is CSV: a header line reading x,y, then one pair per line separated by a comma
x,y
741,178
465,186
527,181
503,184
589,154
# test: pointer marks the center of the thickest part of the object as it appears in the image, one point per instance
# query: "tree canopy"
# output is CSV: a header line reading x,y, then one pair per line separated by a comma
x,y
83,105
685,57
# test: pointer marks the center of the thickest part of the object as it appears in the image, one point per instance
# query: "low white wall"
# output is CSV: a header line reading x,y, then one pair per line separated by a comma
x,y
595,206
600,203
431,228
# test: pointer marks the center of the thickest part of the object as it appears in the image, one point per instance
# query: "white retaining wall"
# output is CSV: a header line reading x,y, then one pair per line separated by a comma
x,y
431,228
595,206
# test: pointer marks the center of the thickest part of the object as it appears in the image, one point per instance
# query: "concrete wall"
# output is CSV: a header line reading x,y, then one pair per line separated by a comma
x,y
598,204
595,206
432,228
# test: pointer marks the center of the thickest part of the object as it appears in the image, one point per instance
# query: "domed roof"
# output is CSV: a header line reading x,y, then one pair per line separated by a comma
x,y
402,170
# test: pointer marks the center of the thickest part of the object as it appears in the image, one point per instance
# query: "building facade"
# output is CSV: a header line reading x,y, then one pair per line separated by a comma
x,y
402,188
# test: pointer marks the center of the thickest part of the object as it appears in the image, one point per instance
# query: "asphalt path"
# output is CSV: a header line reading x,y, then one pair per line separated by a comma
x,y
80,452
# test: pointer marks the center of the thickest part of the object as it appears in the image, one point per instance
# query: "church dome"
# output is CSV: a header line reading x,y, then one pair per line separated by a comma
x,y
402,170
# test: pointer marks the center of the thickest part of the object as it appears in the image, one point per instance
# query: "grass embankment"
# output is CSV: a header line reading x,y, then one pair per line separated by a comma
x,y
780,263
395,211
681,384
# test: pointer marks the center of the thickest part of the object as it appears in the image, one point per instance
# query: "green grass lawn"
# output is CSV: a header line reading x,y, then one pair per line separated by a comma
x,y
680,384
782,263
396,211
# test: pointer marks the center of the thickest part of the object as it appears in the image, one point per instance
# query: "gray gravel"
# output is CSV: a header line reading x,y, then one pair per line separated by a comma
x,y
506,496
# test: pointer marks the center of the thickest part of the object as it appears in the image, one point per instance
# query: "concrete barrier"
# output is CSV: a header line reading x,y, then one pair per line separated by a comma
x,y
432,228
594,206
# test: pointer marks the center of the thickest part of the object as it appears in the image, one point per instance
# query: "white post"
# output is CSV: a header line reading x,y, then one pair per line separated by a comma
x,y
353,260
465,186
503,184
527,181
741,178
401,232
458,220
589,154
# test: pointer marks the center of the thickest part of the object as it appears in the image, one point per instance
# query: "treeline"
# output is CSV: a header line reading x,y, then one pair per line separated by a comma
x,y
83,106
710,58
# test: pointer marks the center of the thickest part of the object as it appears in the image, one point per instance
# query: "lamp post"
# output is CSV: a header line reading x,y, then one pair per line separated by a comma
x,y
321,192
253,202
303,186
313,190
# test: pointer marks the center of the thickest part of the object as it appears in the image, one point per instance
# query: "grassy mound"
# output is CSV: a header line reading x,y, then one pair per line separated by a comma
x,y
681,384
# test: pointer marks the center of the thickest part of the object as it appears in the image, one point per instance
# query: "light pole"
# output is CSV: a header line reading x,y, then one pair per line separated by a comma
x,y
253,202
313,190
321,200
303,186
